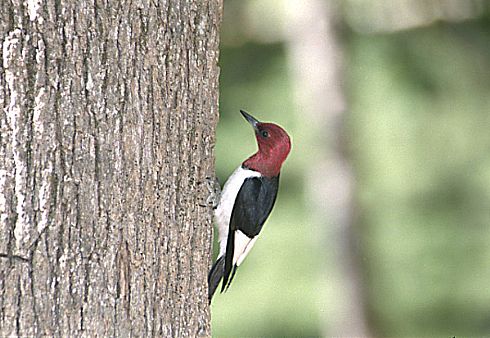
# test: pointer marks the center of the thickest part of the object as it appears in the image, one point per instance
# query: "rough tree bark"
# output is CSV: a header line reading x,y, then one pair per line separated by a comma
x,y
107,136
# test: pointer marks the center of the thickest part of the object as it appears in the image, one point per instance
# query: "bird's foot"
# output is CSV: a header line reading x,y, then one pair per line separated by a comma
x,y
214,189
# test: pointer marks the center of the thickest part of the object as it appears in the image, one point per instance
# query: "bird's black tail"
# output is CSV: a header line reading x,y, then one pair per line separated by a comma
x,y
215,275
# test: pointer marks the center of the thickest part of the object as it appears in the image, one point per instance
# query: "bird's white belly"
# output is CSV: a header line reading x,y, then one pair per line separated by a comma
x,y
230,191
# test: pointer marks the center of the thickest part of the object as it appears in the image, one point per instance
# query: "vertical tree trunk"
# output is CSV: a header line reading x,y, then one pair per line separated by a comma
x,y
107,136
316,58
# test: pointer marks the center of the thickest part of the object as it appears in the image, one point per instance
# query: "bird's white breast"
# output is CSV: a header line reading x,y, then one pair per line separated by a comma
x,y
230,191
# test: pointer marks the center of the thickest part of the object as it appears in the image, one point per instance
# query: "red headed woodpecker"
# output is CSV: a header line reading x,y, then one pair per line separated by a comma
x,y
247,200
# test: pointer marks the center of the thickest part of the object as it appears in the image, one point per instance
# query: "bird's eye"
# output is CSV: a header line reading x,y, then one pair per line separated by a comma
x,y
264,133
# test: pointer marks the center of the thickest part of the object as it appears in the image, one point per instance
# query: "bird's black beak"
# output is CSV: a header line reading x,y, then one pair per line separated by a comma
x,y
250,119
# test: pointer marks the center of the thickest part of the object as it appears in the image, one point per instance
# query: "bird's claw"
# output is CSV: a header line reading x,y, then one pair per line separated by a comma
x,y
214,189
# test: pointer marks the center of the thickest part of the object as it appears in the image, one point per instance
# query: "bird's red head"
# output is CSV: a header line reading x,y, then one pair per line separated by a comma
x,y
274,146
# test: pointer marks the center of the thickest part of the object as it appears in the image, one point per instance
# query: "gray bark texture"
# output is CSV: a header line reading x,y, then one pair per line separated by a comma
x,y
107,137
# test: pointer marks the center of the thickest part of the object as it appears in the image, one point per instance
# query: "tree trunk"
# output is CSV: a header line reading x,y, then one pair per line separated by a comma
x,y
316,58
107,136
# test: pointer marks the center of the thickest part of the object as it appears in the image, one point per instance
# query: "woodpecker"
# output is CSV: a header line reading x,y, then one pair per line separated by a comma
x,y
247,200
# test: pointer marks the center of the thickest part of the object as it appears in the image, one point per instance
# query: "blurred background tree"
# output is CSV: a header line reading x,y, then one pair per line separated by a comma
x,y
399,92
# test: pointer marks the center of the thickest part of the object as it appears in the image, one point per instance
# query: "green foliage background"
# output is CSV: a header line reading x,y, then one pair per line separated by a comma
x,y
418,128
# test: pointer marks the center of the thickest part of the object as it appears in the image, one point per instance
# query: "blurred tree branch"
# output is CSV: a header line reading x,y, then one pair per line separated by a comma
x,y
316,64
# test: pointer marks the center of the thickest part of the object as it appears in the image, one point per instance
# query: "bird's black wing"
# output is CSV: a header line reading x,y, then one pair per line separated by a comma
x,y
252,206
